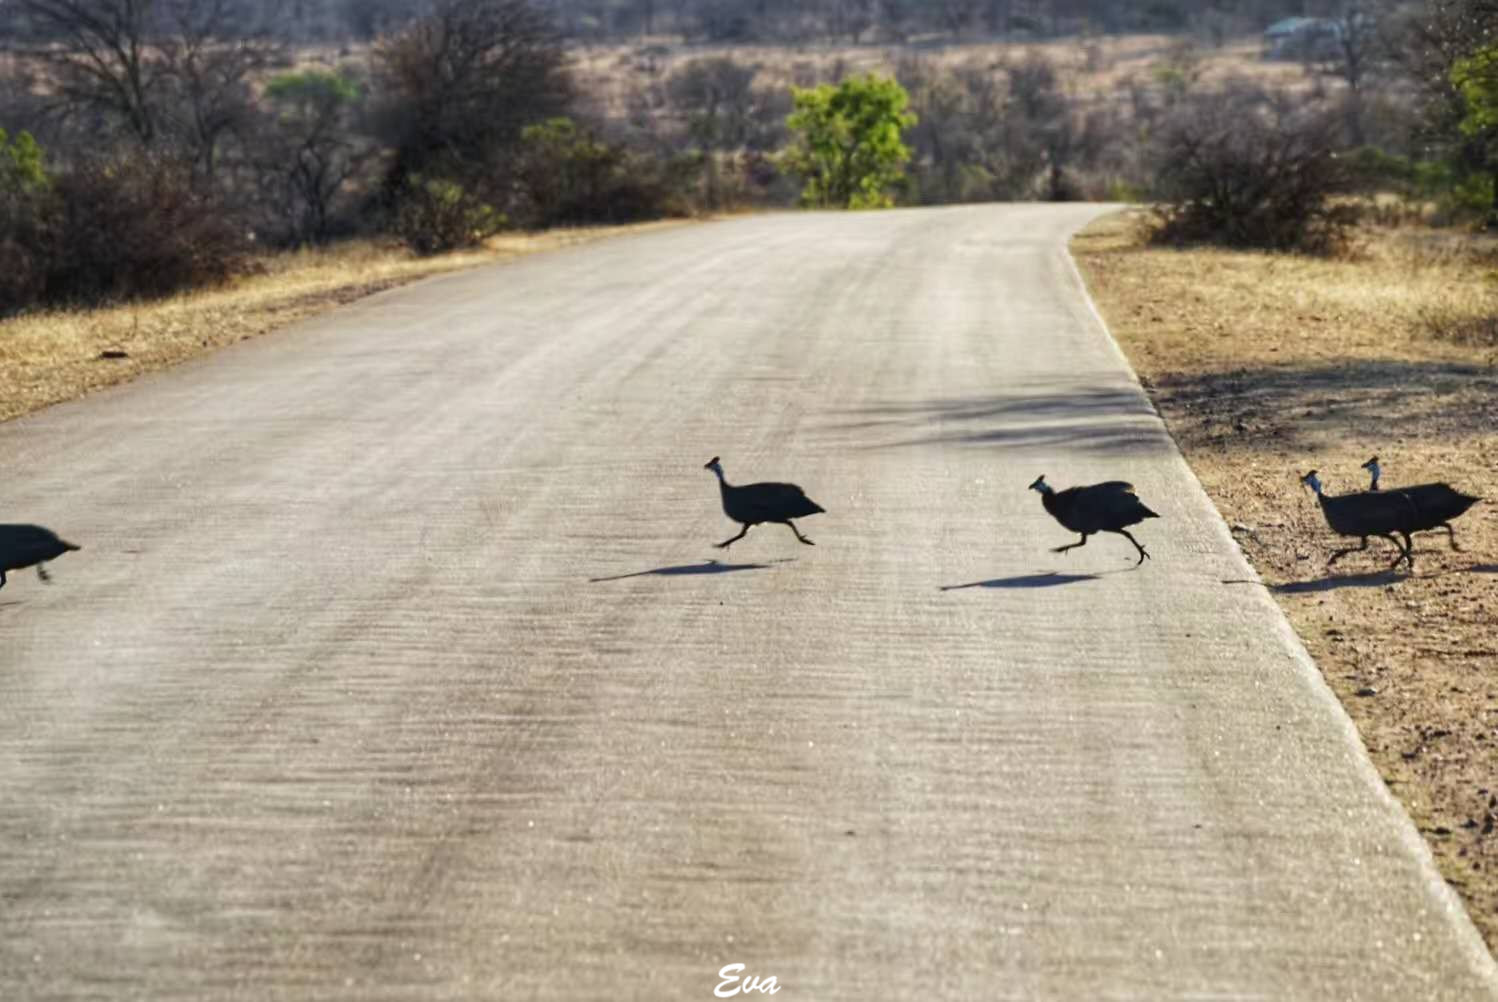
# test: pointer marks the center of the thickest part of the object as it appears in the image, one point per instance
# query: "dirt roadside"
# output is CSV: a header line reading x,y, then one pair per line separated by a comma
x,y
1266,366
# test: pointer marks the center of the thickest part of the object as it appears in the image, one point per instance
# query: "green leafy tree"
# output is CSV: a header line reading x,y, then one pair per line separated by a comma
x,y
21,168
27,218
848,143
1476,80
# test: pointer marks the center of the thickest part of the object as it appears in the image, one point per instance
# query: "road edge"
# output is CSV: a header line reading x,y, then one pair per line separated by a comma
x,y
1470,940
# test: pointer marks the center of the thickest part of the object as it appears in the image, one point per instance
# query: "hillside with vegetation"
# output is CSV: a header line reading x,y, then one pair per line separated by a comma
x,y
152,146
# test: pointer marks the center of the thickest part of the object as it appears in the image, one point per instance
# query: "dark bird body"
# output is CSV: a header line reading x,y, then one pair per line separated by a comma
x,y
1367,513
1111,506
1435,504
751,504
29,546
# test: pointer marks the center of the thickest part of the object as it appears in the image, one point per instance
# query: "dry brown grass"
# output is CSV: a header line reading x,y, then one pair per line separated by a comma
x,y
1403,291
1265,366
49,357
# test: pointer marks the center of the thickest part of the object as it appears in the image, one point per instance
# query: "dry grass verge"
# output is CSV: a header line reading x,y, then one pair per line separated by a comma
x,y
1265,366
46,358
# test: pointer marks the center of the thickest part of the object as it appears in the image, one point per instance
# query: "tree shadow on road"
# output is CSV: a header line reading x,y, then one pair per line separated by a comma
x,y
706,567
1112,418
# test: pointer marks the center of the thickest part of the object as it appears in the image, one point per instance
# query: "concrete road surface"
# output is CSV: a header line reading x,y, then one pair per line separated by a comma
x,y
398,664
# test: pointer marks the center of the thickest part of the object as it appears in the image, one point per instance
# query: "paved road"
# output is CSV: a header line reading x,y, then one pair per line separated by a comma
x,y
397,665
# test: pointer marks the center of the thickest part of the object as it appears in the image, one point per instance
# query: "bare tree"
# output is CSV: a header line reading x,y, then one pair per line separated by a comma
x,y
460,84
212,52
718,96
311,150
943,139
957,15
1044,120
100,57
847,19
1355,48
162,71
722,110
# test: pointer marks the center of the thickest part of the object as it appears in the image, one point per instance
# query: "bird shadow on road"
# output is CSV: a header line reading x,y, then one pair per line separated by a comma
x,y
1331,582
1372,579
684,570
1047,579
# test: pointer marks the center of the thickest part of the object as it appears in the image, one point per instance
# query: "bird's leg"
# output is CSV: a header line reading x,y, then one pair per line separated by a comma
x,y
793,528
1450,534
1072,546
1351,549
1409,551
1403,553
1143,555
729,542
41,572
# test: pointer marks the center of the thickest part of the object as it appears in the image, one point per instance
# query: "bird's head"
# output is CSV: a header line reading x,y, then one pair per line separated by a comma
x,y
712,464
1040,485
1312,481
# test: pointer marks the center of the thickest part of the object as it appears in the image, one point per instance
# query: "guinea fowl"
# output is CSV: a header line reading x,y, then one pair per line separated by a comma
x,y
1105,507
29,546
1367,513
751,504
1435,504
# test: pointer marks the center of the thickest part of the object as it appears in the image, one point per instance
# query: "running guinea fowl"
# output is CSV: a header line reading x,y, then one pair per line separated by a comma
x,y
1435,504
29,546
1105,507
1364,514
751,504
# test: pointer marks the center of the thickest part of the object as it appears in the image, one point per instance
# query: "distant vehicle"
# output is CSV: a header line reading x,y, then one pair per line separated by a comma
x,y
1302,38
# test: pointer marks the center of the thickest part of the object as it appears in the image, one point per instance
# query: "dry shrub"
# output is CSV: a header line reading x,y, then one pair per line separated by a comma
x,y
437,215
24,244
567,176
1446,323
1247,168
136,227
